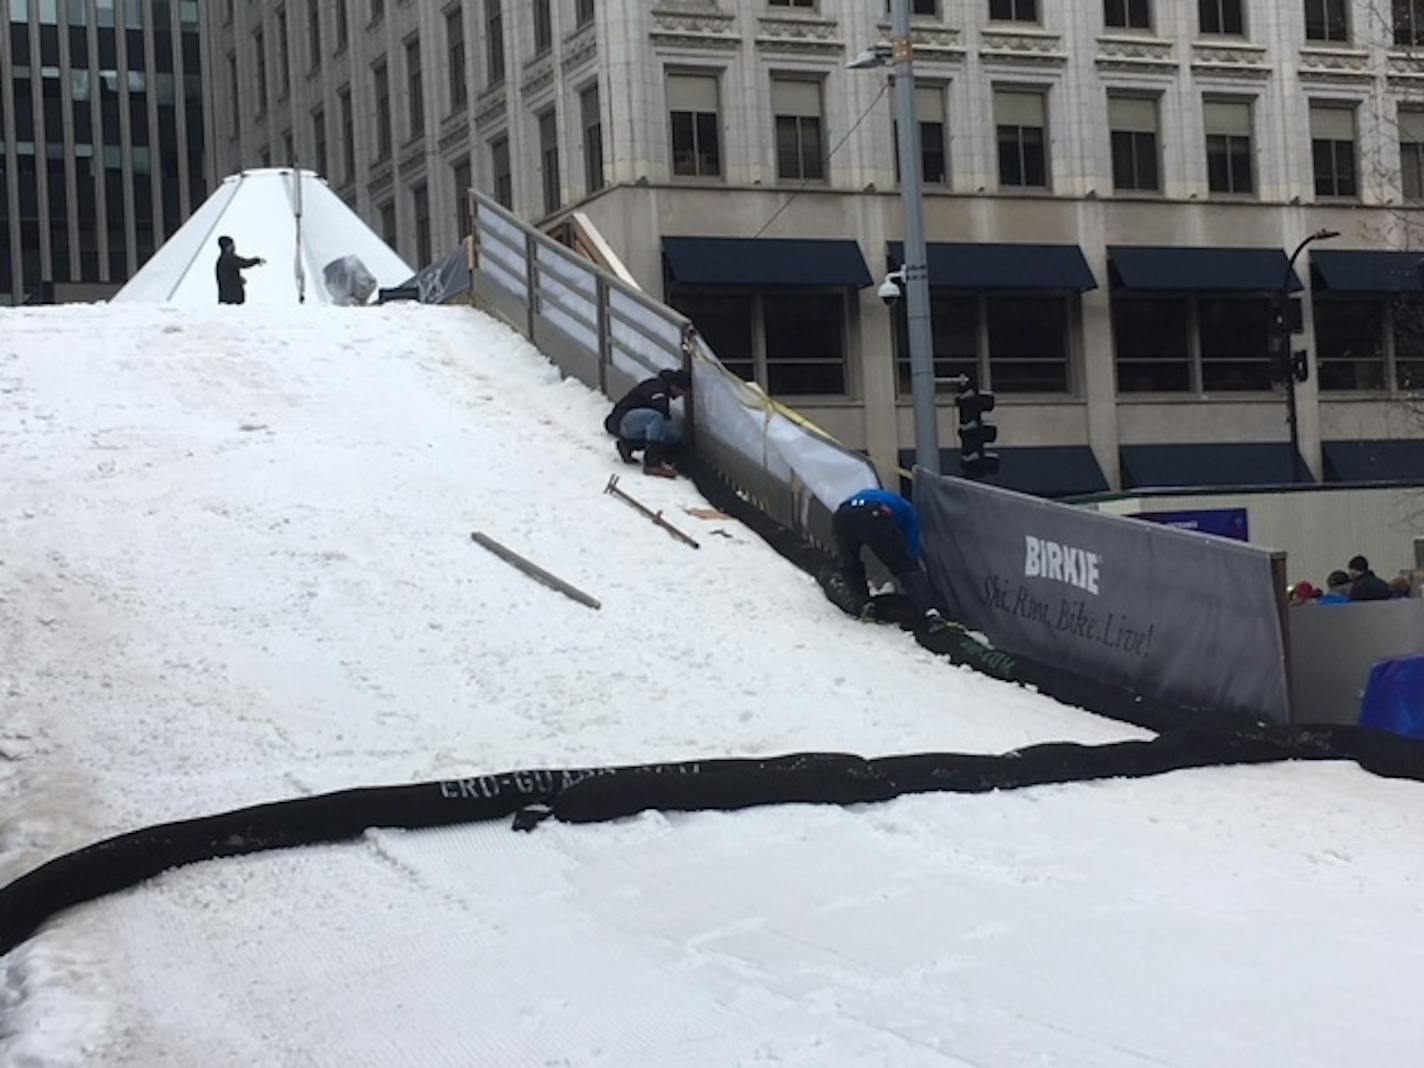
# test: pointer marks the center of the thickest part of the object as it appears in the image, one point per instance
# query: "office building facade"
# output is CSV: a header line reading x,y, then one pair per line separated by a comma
x,y
1111,190
101,140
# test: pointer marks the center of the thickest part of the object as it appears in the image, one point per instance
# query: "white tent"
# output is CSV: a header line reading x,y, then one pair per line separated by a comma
x,y
288,217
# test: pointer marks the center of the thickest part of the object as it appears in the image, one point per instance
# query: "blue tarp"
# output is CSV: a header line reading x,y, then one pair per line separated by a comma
x,y
1394,697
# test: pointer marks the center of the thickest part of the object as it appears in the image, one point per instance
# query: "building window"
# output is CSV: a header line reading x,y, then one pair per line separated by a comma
x,y
549,159
259,45
1127,14
1221,17
235,97
1133,123
1013,344
692,108
455,37
1192,344
543,27
378,11
289,149
1332,149
314,34
503,183
387,213
1021,119
792,3
792,343
796,105
592,140
415,86
1407,336
420,202
1013,10
928,8
583,12
348,134
1411,152
319,140
929,111
463,179
1228,146
494,42
382,85
1349,344
1327,20
343,26
1408,22
1152,346
284,61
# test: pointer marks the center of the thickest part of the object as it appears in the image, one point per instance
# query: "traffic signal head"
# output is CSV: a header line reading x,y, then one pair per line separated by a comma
x,y
976,434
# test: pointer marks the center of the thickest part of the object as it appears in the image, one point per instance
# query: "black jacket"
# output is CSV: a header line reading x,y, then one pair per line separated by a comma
x,y
1369,587
231,288
651,393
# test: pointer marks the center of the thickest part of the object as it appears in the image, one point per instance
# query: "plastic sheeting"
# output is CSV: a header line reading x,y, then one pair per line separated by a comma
x,y
348,283
769,437
1394,697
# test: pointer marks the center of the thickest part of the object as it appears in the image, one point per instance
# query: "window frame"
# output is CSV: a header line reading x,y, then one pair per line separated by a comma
x,y
695,128
595,175
1014,11
550,166
1044,146
810,158
458,87
1222,8
1137,190
761,361
1325,22
1128,25
1334,148
1230,150
415,86
1197,361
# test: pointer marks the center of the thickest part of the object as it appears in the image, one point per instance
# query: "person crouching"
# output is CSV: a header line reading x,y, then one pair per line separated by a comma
x,y
642,421
886,524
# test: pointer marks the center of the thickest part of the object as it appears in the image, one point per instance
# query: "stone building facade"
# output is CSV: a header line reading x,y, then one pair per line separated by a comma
x,y
1112,188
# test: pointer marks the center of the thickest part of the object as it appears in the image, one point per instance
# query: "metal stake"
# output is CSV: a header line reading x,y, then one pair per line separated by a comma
x,y
656,517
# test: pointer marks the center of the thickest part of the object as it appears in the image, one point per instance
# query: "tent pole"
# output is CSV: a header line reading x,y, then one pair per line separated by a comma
x,y
301,274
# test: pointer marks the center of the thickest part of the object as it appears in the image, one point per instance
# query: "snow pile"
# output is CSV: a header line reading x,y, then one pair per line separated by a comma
x,y
235,565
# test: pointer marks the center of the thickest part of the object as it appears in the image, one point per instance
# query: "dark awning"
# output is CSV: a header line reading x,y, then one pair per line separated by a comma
x,y
1162,268
1042,470
1356,271
981,267
1374,461
1214,464
764,261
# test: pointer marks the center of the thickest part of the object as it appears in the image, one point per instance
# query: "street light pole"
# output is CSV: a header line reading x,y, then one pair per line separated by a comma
x,y
915,265
1288,358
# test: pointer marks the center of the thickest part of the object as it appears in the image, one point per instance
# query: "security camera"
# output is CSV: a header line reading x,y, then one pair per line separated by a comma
x,y
891,289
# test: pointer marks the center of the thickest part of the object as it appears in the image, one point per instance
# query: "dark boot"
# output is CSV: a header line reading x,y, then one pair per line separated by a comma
x,y
626,449
654,461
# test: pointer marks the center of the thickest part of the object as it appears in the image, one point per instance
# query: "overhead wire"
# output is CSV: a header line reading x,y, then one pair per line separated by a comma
x,y
884,88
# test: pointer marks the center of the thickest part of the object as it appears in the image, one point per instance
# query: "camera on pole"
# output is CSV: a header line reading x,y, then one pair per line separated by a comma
x,y
975,432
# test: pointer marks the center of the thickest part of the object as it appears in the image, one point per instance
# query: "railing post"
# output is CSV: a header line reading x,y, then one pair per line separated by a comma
x,y
601,306
531,284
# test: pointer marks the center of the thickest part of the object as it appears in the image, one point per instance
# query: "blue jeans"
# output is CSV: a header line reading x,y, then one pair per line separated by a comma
x,y
644,424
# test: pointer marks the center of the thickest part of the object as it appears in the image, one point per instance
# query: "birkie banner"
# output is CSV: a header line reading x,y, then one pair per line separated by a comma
x,y
1186,618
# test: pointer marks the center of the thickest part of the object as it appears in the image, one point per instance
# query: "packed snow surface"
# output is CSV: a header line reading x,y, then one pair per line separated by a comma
x,y
236,566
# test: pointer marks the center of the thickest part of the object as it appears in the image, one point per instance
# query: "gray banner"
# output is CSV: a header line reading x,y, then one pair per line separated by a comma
x,y
1186,618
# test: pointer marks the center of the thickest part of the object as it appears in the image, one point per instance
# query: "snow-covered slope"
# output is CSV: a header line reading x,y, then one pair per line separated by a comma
x,y
235,566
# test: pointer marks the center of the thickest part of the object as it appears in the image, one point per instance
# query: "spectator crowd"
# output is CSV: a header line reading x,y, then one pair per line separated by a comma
x,y
1356,583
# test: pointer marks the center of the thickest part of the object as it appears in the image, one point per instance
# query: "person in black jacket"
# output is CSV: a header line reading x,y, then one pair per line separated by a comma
x,y
1365,585
641,420
231,288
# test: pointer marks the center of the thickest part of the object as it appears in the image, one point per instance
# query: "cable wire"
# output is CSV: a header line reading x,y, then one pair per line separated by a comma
x,y
884,88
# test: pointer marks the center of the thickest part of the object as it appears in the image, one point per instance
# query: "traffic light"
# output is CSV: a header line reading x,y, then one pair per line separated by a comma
x,y
976,433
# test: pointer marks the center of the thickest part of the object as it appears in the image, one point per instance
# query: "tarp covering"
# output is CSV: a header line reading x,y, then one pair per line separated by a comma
x,y
1162,268
258,210
983,267
445,280
1187,618
1394,697
584,795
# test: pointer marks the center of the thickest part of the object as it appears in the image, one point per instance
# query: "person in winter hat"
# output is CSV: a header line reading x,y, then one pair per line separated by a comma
x,y
231,287
886,524
642,421
1365,585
